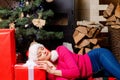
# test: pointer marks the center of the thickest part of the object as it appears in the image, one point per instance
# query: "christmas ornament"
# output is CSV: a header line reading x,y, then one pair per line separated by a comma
x,y
21,15
39,22
21,3
0,19
12,25
27,3
26,25
49,1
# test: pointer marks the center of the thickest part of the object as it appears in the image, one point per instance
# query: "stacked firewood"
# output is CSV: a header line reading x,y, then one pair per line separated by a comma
x,y
112,15
85,36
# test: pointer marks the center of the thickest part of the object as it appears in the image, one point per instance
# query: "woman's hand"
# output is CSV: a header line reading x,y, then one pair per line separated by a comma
x,y
49,67
46,65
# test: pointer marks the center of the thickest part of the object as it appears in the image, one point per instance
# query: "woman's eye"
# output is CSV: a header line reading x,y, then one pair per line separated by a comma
x,y
39,54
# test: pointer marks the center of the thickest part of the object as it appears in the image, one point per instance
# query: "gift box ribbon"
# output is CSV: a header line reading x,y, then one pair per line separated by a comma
x,y
30,72
30,65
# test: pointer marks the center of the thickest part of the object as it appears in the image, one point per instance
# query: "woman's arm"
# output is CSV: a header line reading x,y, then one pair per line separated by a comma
x,y
49,67
70,69
56,72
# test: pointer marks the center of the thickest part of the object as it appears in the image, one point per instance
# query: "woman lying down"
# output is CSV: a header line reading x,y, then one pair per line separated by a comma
x,y
62,64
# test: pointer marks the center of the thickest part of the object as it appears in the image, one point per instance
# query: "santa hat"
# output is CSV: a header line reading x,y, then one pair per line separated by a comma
x,y
32,54
33,51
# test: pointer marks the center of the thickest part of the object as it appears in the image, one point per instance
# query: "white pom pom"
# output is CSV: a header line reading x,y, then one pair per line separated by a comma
x,y
54,55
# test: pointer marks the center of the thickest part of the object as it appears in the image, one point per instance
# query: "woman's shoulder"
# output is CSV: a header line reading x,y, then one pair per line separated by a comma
x,y
61,47
63,50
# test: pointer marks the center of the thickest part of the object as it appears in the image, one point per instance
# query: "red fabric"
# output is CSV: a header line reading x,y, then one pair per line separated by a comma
x,y
112,78
21,73
7,54
27,53
91,78
109,78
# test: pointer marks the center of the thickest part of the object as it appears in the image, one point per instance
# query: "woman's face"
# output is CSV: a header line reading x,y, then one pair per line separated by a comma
x,y
43,53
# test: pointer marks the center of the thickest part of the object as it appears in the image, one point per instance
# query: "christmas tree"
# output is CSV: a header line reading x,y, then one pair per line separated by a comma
x,y
28,20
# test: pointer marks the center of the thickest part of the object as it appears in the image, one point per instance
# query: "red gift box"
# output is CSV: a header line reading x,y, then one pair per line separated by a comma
x,y
7,54
24,73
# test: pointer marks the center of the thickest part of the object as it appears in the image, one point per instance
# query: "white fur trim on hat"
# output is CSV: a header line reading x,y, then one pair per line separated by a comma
x,y
32,56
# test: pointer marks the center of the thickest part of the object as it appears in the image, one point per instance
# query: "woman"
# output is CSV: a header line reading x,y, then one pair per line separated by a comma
x,y
62,64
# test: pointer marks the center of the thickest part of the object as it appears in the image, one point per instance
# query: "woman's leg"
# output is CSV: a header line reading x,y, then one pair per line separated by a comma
x,y
103,59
